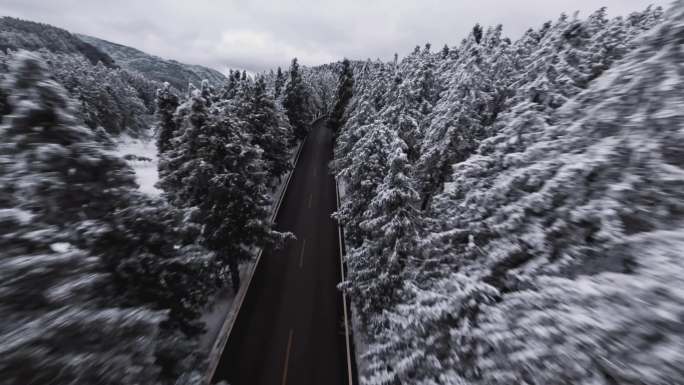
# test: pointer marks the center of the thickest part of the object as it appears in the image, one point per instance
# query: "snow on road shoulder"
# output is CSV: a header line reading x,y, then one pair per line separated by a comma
x,y
141,155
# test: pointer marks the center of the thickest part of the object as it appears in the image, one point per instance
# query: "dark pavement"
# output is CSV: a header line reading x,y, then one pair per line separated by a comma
x,y
290,327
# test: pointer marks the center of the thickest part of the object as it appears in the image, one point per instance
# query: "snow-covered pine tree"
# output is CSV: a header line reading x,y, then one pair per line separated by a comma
x,y
412,99
59,311
295,102
361,173
488,132
235,210
320,84
266,131
167,104
345,89
179,168
477,84
574,222
445,51
217,171
391,224
279,83
155,259
207,92
106,96
352,131
477,33
414,343
548,225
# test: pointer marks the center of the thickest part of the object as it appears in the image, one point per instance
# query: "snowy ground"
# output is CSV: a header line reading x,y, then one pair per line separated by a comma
x,y
217,312
220,308
138,151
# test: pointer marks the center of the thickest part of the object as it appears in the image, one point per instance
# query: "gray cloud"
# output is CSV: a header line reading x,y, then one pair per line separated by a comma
x,y
262,34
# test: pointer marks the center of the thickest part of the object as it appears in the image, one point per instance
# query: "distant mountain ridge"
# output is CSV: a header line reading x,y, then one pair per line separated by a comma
x,y
154,67
16,34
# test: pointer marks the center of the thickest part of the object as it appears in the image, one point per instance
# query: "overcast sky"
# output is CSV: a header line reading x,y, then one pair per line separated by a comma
x,y
261,34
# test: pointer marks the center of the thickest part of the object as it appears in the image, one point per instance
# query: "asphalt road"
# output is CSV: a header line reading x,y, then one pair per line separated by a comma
x,y
290,327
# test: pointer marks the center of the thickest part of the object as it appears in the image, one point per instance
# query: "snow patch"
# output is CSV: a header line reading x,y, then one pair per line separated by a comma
x,y
60,247
141,155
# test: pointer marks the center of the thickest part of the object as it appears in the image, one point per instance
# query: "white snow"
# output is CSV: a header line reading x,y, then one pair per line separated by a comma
x,y
145,171
22,216
216,314
60,247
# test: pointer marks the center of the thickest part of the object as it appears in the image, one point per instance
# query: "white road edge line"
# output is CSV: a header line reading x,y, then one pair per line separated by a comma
x,y
287,357
217,350
301,254
344,295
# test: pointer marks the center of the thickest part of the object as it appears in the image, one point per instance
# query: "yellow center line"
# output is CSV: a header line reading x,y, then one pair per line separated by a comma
x,y
301,254
287,357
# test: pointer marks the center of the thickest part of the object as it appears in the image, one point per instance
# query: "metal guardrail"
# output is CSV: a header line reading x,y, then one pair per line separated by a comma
x,y
347,333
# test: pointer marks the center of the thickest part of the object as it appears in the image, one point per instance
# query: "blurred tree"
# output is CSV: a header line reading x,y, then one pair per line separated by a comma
x,y
59,312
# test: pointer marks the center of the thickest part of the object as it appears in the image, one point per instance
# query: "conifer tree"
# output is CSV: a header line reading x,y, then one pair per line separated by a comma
x,y
412,94
59,311
467,106
391,222
279,82
207,92
266,131
180,163
362,171
525,195
345,89
477,33
295,102
216,170
167,103
229,87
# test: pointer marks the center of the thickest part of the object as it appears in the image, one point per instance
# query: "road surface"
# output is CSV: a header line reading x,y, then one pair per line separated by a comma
x,y
290,327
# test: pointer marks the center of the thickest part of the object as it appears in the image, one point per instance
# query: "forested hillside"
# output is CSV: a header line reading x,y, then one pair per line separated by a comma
x,y
109,98
513,208
114,85
18,34
177,74
112,100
